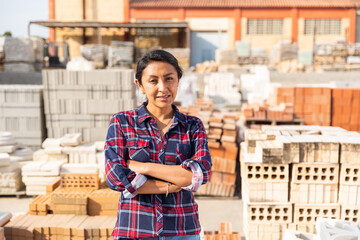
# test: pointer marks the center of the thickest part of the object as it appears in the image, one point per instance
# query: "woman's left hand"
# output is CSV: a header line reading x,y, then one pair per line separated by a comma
x,y
135,166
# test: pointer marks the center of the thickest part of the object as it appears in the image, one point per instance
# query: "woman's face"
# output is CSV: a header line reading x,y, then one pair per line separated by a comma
x,y
159,83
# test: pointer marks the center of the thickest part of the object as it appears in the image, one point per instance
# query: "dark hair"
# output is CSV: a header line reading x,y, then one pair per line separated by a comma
x,y
160,56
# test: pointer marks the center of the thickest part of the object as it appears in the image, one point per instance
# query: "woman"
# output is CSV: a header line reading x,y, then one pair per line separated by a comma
x,y
157,156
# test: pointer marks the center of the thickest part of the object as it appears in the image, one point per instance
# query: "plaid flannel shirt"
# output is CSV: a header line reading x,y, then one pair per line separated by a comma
x,y
134,135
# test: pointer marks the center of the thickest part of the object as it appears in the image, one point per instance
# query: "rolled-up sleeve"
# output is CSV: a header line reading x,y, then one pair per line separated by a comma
x,y
200,164
118,176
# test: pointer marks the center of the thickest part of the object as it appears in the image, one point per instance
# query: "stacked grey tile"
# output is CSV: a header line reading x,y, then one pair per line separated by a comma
x,y
22,113
84,101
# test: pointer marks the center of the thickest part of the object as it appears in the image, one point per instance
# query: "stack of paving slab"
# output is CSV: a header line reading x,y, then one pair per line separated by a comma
x,y
84,101
12,157
29,227
291,175
36,175
22,113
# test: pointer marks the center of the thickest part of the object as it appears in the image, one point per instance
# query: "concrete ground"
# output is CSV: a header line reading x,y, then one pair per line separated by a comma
x,y
212,210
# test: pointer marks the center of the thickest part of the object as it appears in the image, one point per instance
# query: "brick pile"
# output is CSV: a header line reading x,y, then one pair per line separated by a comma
x,y
221,127
291,175
29,227
280,112
78,194
324,106
22,113
84,101
225,232
223,173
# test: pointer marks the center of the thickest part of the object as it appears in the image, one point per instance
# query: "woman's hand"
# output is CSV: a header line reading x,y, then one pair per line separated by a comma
x,y
174,188
135,166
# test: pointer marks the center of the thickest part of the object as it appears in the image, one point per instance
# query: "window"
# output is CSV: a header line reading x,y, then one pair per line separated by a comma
x,y
265,26
323,26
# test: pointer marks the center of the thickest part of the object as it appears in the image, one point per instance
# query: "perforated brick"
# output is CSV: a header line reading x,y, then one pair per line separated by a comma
x,y
268,212
259,172
90,181
315,173
350,150
350,213
350,174
307,213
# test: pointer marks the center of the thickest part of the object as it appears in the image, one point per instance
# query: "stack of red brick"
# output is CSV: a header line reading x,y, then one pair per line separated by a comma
x,y
225,233
79,194
324,106
280,112
223,173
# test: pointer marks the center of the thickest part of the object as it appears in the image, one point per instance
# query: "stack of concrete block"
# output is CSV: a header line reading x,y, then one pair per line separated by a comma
x,y
22,113
319,177
28,227
84,101
22,54
10,175
36,175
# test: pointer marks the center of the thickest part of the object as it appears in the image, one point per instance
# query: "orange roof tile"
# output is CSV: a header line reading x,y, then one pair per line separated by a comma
x,y
244,3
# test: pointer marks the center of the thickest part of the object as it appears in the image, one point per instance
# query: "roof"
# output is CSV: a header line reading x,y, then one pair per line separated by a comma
x,y
96,24
244,3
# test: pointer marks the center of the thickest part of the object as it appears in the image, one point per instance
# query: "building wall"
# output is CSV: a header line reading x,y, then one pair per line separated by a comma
x,y
266,41
305,42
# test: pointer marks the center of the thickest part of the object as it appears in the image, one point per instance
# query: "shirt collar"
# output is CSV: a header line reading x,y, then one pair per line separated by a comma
x,y
143,114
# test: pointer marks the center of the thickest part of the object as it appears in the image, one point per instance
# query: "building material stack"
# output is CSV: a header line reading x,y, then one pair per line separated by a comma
x,y
121,54
22,54
22,113
28,227
12,158
229,130
223,173
324,106
84,101
36,175
4,219
215,131
223,87
226,57
290,177
224,232
346,108
182,55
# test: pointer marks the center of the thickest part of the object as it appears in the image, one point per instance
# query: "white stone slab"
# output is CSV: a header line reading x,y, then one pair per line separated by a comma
x,y
4,159
51,142
53,150
22,154
79,168
5,217
71,140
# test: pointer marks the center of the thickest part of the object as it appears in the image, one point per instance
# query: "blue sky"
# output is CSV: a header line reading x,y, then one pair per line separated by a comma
x,y
16,14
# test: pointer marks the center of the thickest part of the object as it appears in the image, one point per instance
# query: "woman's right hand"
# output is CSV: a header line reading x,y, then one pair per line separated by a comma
x,y
174,188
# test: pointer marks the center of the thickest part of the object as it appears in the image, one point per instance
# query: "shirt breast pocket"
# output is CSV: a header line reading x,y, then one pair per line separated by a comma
x,y
139,150
183,152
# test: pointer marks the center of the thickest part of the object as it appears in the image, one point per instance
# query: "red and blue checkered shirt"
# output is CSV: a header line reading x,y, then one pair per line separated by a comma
x,y
134,135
